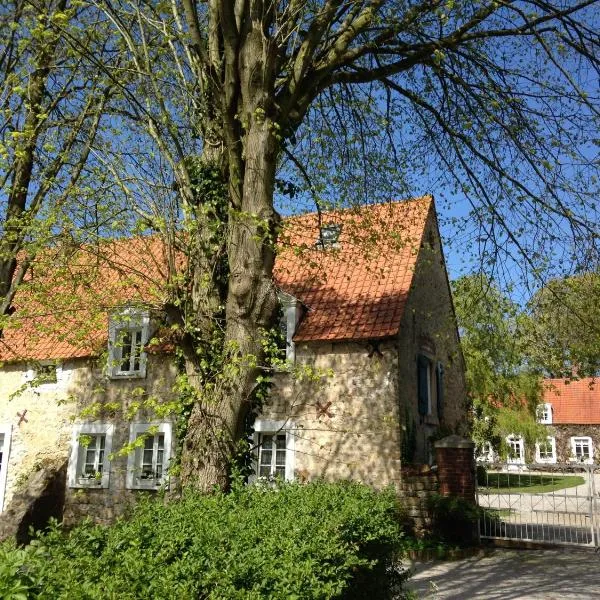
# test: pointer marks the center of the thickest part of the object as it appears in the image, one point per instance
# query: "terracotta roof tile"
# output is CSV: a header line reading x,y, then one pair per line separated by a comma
x,y
573,402
355,291
359,290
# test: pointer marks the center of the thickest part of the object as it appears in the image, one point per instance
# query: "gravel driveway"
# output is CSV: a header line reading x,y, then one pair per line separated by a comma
x,y
556,574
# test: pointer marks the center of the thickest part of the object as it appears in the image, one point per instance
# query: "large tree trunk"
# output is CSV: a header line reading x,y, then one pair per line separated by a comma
x,y
217,420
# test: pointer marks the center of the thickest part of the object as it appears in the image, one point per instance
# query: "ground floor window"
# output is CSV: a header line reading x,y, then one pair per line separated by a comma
x,y
274,450
581,449
148,462
516,449
545,450
5,434
91,446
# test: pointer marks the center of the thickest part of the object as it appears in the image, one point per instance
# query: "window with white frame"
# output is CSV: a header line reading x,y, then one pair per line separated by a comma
x,y
148,461
486,453
545,450
582,449
274,450
91,446
516,449
5,436
291,314
544,413
128,334
44,374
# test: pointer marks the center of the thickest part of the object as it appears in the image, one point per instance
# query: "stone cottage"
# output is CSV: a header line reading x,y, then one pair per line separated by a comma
x,y
373,369
571,413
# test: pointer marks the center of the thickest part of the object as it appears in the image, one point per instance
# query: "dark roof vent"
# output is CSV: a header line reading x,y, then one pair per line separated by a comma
x,y
329,235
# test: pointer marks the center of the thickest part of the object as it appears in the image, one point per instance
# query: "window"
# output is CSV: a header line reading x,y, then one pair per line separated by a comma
x,y
582,450
128,334
329,236
545,451
90,448
486,453
291,313
44,373
148,463
5,435
544,413
271,455
516,450
424,374
439,381
275,450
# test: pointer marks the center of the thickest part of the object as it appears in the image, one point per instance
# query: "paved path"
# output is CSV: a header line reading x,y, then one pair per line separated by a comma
x,y
557,574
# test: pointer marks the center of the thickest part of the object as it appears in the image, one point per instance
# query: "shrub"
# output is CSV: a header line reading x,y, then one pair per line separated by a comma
x,y
294,541
454,519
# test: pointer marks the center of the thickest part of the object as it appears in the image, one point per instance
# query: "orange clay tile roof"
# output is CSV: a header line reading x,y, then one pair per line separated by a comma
x,y
575,402
355,291
83,287
359,290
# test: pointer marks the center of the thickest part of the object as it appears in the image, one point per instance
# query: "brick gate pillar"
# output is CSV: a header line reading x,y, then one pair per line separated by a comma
x,y
456,468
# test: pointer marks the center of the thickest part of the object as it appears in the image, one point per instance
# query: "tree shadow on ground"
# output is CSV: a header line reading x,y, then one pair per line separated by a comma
x,y
563,573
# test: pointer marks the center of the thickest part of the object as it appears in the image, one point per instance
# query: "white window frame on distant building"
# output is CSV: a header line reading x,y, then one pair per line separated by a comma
x,y
544,413
516,450
581,442
542,455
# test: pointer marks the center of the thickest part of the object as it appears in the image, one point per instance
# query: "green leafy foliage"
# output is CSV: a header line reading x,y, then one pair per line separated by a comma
x,y
293,541
454,519
564,326
503,384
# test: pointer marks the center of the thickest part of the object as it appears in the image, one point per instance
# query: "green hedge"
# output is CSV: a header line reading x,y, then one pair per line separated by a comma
x,y
295,541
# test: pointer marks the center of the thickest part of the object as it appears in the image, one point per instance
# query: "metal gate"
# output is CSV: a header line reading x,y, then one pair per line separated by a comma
x,y
552,504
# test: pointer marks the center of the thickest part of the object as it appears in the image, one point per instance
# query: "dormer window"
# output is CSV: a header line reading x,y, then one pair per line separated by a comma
x,y
291,314
544,413
128,336
329,236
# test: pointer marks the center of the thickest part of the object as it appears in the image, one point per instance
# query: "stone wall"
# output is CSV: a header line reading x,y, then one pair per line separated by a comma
x,y
563,434
346,424
44,432
51,410
415,492
429,327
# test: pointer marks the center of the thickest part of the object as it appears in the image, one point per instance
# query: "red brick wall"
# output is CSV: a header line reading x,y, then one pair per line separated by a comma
x,y
455,472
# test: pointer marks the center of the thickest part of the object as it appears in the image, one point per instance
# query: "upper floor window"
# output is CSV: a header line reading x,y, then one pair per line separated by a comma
x,y
44,373
148,463
544,413
424,384
329,236
128,334
290,315
90,448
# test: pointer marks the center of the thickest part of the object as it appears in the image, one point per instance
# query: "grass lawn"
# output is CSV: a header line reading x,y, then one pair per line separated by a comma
x,y
507,483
